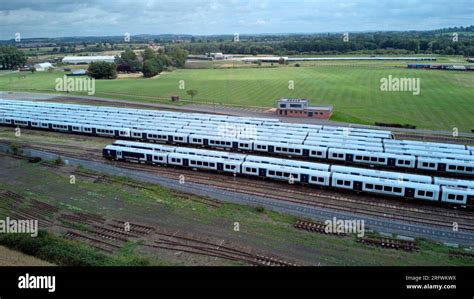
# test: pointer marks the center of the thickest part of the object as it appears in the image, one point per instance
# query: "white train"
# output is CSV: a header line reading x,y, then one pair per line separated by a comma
x,y
418,187
269,136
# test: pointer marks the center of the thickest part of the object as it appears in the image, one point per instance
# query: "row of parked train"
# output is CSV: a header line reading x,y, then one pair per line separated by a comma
x,y
346,145
454,192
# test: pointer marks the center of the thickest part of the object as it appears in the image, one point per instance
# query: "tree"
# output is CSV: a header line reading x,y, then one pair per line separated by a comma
x,y
129,61
192,93
32,69
102,70
11,58
177,56
151,67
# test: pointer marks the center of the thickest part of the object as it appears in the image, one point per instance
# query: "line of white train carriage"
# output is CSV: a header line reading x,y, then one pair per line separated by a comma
x,y
449,191
353,145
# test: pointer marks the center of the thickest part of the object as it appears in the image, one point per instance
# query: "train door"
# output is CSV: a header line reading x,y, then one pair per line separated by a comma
x,y
262,172
205,142
310,114
357,186
409,192
304,178
119,154
271,149
170,138
149,158
185,162
441,166
220,166
349,157
470,201
117,133
235,145
391,162
69,128
305,153
93,131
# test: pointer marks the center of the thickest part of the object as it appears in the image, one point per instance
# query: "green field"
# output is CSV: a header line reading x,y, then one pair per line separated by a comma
x,y
446,99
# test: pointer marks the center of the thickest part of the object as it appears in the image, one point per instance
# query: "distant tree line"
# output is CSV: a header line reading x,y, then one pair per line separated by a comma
x,y
451,41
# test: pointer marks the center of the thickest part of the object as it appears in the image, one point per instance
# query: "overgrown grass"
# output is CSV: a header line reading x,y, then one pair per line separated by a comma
x,y
64,252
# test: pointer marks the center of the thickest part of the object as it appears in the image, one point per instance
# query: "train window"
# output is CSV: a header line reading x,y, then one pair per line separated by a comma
x,y
259,146
421,193
397,190
339,182
347,183
432,165
366,158
425,164
321,180
460,197
461,168
199,163
369,186
429,193
278,148
334,155
378,187
469,169
205,164
254,169
358,157
387,188
407,162
382,160
227,143
373,159
451,196
247,169
271,172
452,167
155,157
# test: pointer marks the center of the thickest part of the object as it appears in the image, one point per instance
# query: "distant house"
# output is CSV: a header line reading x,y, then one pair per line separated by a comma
x,y
301,108
87,59
44,66
156,47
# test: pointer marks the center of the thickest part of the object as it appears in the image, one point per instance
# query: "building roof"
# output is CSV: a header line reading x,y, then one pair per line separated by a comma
x,y
44,65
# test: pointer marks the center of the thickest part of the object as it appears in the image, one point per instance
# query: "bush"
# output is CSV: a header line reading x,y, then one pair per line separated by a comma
x,y
259,209
63,252
152,67
102,70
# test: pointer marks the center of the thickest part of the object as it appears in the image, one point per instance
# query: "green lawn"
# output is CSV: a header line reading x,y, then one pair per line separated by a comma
x,y
446,99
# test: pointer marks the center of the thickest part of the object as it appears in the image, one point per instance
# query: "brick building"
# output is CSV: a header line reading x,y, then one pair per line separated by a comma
x,y
301,108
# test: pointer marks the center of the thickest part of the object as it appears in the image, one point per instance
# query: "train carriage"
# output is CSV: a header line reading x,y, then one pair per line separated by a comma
x,y
457,196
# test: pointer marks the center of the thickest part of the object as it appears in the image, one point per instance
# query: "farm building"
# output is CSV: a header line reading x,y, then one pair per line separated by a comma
x,y
301,108
87,59
44,66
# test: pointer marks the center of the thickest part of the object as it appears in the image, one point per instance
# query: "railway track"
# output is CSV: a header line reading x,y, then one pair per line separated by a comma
x,y
314,227
390,243
364,206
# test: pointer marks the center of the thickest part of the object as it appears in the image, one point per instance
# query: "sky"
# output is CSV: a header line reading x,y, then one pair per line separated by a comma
x,y
60,18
